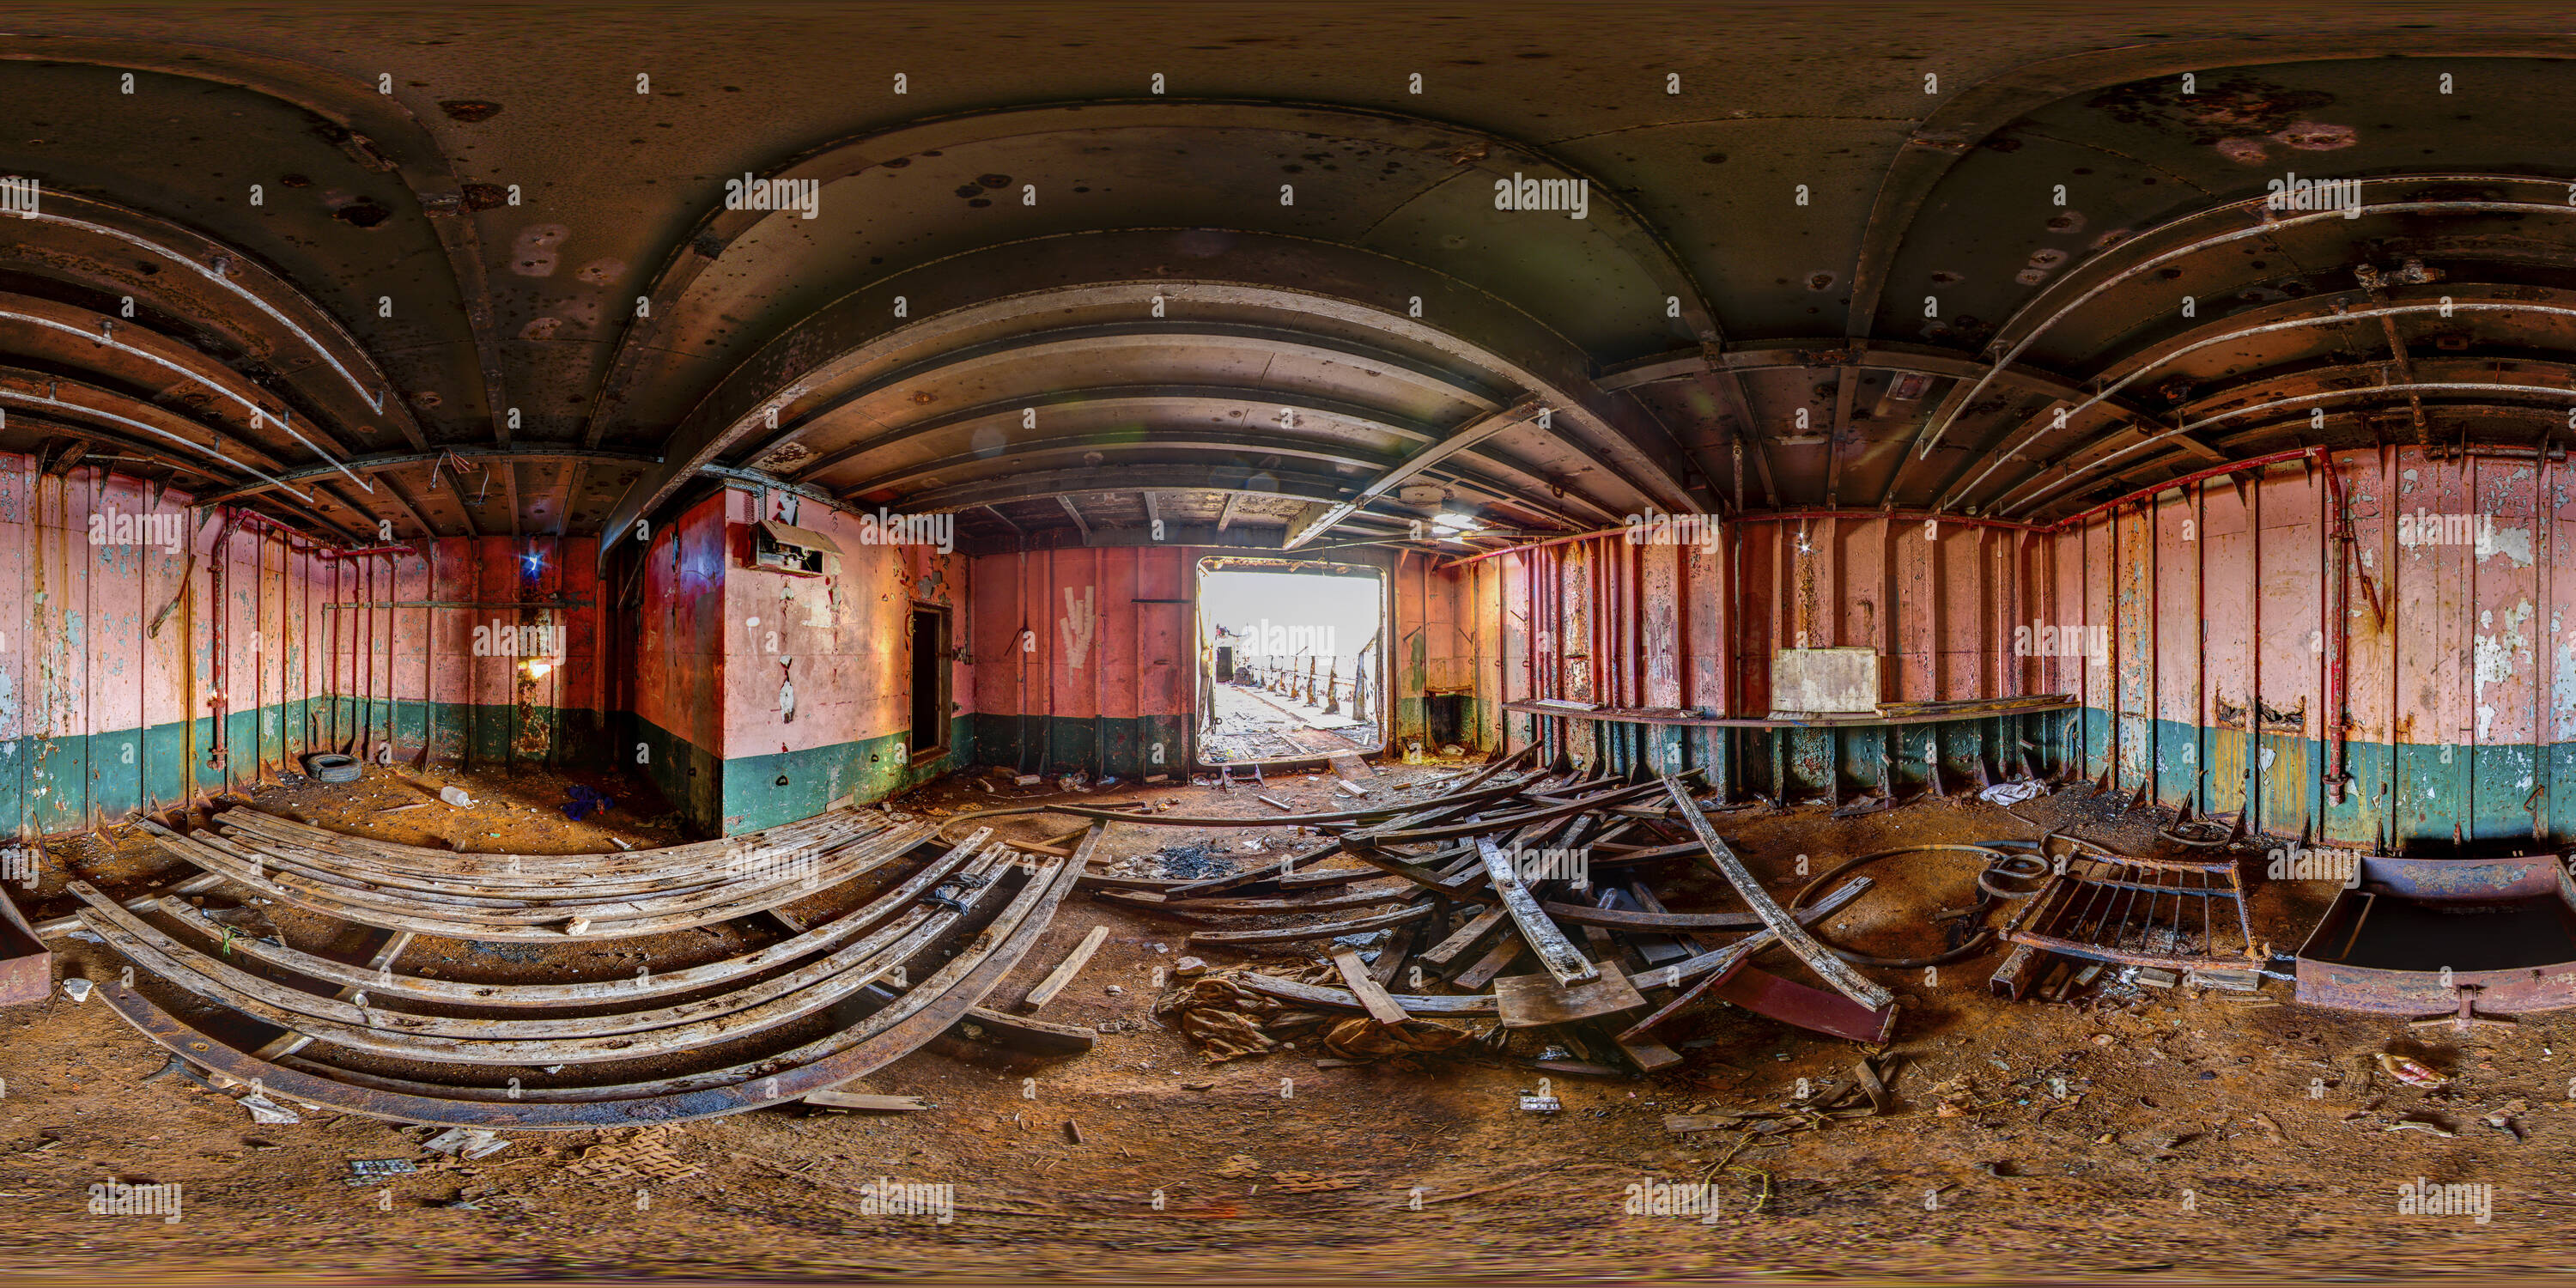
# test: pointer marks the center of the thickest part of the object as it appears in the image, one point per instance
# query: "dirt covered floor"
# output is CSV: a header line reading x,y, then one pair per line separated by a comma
x,y
2138,1133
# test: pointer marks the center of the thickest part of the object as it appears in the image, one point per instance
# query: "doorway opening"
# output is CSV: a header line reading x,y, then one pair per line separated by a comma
x,y
1292,660
930,697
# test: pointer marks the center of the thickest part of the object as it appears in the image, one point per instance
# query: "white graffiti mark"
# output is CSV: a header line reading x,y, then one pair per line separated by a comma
x,y
1078,625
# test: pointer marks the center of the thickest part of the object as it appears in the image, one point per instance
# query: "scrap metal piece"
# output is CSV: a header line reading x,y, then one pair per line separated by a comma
x,y
2467,1016
26,965
1814,1009
2417,932
2169,914
1820,959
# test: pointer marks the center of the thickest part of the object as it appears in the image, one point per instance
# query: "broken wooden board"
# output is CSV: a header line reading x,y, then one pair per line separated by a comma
x,y
1529,1001
1328,930
1555,952
1822,960
1505,951
1026,1033
1355,975
1477,927
1321,995
1683,1124
1063,974
1648,1054
866,1103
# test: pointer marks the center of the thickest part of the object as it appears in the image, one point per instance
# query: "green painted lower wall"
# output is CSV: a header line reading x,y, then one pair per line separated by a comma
x,y
2402,794
1124,746
76,782
717,797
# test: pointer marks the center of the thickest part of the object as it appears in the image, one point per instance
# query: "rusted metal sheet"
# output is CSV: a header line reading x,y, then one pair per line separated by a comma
x,y
2460,880
26,965
2386,954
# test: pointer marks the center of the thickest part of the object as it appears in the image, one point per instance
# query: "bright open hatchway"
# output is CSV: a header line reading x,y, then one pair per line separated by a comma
x,y
1291,660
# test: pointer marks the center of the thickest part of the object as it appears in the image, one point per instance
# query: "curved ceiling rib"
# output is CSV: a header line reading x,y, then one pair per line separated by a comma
x,y
871,353
772,343
2140,366
2270,226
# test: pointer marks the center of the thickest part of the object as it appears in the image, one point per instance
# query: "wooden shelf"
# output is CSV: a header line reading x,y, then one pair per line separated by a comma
x,y
1655,716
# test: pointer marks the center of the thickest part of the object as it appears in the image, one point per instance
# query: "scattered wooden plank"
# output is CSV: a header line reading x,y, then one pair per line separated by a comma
x,y
1063,974
1025,1033
1380,1007
1730,959
1555,952
1477,927
1820,959
1649,1054
1328,930
1532,1001
1283,806
870,1104
1399,945
1321,995
1504,952
1683,1124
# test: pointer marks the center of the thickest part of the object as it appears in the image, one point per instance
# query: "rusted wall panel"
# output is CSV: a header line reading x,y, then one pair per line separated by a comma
x,y
100,716
2449,624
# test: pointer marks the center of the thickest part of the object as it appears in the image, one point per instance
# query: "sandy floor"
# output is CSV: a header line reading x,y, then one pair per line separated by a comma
x,y
2155,1135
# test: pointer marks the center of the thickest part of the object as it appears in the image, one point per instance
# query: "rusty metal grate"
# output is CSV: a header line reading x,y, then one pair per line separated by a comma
x,y
2180,915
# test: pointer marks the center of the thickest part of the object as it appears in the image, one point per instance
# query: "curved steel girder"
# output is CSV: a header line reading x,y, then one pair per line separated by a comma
x,y
840,158
378,130
150,360
1212,333
1321,488
859,332
300,339
1001,355
45,426
1184,439
397,460
1866,355
15,405
1940,421
2477,299
1834,352
1177,405
1961,123
1181,408
2057,480
153,424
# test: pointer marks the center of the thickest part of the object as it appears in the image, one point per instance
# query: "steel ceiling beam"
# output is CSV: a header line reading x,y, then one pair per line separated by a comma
x,y
1457,440
399,460
854,336
2271,222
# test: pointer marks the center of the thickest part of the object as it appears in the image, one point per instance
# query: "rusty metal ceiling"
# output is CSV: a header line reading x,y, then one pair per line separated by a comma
x,y
484,285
